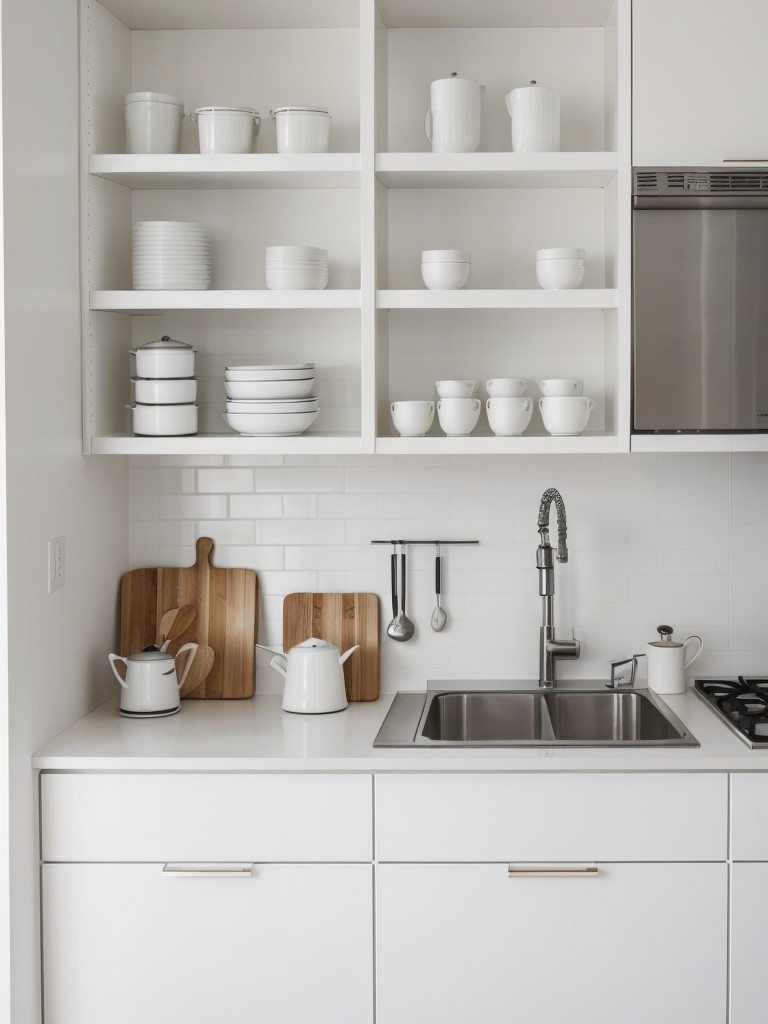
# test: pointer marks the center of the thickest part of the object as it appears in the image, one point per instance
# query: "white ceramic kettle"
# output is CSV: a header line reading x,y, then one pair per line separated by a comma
x,y
150,686
314,678
453,120
667,661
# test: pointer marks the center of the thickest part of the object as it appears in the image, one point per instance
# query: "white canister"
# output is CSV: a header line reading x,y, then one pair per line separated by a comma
x,y
453,121
302,129
152,122
164,359
535,113
668,660
226,129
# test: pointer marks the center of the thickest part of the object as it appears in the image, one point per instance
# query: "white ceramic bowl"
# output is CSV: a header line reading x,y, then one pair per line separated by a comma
x,y
560,273
254,390
565,417
164,420
164,392
445,276
412,418
278,424
271,371
456,388
275,405
561,387
302,129
446,256
505,387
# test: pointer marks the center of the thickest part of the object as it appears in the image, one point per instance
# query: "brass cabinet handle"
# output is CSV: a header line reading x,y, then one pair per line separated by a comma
x,y
208,870
589,871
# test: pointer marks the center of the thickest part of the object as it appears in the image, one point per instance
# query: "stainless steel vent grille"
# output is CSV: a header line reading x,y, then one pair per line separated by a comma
x,y
700,181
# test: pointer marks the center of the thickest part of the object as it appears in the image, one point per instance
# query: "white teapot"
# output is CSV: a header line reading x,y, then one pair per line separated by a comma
x,y
314,678
150,686
668,660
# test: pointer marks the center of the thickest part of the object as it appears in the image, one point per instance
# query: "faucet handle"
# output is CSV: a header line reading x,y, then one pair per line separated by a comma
x,y
619,673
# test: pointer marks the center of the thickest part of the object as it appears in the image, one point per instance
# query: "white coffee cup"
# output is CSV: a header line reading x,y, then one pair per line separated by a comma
x,y
667,662
509,416
458,416
564,417
413,418
453,121
456,388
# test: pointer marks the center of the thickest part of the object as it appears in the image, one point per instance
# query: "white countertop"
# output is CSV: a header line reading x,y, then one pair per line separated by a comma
x,y
257,735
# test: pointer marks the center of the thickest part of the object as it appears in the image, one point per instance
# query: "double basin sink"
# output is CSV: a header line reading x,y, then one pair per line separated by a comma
x,y
531,718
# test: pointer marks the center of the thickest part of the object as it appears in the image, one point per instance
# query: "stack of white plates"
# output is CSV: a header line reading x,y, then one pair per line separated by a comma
x,y
274,399
170,255
296,266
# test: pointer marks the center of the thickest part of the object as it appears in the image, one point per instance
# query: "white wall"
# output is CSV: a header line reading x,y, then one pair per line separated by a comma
x,y
57,642
652,539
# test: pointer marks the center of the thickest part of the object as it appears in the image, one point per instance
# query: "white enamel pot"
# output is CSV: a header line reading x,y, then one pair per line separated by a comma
x,y
314,677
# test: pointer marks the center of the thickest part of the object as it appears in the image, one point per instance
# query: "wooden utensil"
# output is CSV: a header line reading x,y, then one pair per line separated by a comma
x,y
227,603
183,619
343,620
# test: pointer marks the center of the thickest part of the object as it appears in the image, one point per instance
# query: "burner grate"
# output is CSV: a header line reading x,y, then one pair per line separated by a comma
x,y
742,703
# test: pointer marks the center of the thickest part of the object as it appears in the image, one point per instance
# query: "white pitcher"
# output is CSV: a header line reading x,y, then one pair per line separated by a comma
x,y
667,661
535,113
453,121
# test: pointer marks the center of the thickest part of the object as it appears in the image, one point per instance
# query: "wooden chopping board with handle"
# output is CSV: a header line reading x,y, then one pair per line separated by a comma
x,y
343,620
225,627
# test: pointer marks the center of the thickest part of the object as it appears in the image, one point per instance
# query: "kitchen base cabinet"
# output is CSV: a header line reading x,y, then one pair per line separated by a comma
x,y
637,943
130,943
749,910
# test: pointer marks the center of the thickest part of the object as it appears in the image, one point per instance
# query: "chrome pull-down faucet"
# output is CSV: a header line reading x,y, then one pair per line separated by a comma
x,y
550,649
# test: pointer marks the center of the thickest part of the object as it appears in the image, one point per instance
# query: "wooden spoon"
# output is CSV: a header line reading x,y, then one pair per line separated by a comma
x,y
183,619
199,672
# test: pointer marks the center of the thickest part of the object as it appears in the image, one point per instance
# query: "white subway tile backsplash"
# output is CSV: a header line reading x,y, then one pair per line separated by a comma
x,y
652,538
225,481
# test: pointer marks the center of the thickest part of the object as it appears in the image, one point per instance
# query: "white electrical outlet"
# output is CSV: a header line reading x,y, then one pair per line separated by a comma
x,y
55,564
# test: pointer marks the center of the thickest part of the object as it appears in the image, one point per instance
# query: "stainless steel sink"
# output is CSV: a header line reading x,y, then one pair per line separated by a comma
x,y
531,718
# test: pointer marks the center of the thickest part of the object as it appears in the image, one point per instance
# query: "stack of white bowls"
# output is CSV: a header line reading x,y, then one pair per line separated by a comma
x,y
274,399
170,255
445,268
560,268
296,266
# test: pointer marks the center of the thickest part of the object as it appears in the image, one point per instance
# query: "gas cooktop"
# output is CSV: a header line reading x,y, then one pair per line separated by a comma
x,y
742,703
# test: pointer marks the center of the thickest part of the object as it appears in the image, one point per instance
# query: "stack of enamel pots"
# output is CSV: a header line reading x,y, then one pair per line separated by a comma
x,y
164,388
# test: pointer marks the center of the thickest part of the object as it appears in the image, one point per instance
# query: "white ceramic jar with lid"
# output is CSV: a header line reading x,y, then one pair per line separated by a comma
x,y
445,268
453,121
164,358
535,113
152,122
226,129
302,129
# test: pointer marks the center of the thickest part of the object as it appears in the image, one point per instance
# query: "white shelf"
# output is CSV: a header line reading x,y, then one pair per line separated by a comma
x,y
699,443
156,301
498,298
247,170
235,14
526,444
496,170
227,444
494,13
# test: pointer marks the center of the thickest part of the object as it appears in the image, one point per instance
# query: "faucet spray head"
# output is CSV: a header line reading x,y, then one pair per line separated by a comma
x,y
552,494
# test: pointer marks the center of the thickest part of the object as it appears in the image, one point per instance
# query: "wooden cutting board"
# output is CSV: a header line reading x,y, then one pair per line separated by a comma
x,y
343,620
227,602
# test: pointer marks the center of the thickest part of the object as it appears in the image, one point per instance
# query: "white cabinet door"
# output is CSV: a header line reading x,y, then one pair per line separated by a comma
x,y
465,943
125,943
749,910
699,81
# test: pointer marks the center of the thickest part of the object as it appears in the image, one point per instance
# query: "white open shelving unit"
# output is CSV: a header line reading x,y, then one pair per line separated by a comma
x,y
375,201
